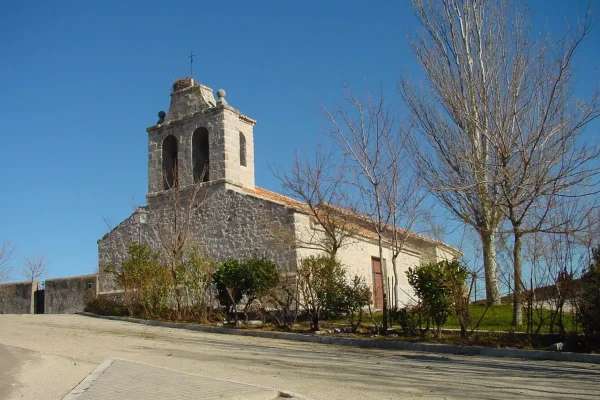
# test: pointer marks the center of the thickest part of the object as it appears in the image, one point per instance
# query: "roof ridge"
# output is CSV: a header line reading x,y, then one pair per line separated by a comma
x,y
363,217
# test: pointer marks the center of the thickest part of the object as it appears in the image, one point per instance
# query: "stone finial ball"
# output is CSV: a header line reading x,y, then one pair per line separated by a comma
x,y
162,114
221,93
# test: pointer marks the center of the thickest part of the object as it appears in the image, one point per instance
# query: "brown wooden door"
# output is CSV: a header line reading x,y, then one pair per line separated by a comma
x,y
377,282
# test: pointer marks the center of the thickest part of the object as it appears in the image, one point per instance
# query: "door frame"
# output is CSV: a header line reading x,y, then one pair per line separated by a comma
x,y
377,291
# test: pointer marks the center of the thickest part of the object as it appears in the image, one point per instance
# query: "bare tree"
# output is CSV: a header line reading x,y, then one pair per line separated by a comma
x,y
34,268
108,223
462,47
6,252
555,260
363,133
319,184
541,156
281,303
403,198
172,221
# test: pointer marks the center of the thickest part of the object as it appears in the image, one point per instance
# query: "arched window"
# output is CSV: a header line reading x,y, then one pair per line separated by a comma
x,y
200,155
242,150
169,162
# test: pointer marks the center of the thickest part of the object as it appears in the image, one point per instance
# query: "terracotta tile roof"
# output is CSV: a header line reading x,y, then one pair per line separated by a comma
x,y
360,223
366,224
279,198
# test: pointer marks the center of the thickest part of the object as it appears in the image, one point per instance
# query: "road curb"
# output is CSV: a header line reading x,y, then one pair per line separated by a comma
x,y
88,380
372,343
261,392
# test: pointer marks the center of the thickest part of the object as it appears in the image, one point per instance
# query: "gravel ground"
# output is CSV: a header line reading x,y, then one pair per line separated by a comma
x,y
10,365
52,353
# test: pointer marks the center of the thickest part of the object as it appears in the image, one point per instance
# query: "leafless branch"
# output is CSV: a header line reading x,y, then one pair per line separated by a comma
x,y
500,130
6,252
369,135
172,222
34,268
318,182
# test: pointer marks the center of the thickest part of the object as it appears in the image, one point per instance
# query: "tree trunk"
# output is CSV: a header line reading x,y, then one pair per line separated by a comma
x,y
385,302
233,306
517,277
559,311
177,290
395,267
491,268
315,323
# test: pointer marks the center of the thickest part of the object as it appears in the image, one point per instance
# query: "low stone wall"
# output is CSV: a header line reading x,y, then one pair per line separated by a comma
x,y
17,298
66,295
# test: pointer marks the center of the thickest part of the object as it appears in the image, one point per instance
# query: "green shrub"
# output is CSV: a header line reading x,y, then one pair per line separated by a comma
x,y
230,282
281,302
194,276
440,290
155,289
408,319
356,295
321,284
262,277
106,304
588,298
251,280
145,281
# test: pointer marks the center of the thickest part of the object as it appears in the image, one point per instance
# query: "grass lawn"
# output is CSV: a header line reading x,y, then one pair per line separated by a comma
x,y
499,318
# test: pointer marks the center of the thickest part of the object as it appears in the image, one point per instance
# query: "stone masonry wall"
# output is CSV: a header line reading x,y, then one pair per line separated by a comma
x,y
66,295
223,124
247,172
212,120
190,100
17,298
112,248
235,224
230,223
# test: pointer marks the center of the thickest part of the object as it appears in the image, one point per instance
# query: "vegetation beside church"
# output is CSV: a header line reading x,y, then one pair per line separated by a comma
x,y
440,289
204,291
320,295
588,298
473,142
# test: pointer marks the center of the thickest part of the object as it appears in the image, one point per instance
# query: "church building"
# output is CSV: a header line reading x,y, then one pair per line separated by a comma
x,y
201,185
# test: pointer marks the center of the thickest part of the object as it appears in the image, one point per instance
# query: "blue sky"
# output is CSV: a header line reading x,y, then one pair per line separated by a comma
x,y
81,81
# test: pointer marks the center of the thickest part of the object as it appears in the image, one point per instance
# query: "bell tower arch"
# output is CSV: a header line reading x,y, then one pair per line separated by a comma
x,y
199,140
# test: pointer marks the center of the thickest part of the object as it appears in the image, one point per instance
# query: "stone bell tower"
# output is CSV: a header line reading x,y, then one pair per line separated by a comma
x,y
199,140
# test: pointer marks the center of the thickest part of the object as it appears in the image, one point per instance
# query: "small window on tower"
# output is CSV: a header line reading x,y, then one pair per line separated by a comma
x,y
242,150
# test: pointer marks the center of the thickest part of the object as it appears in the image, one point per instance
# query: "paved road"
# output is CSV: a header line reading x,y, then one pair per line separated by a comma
x,y
70,346
117,379
9,368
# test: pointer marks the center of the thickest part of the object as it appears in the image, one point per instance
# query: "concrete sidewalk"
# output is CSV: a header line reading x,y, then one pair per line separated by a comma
x,y
121,379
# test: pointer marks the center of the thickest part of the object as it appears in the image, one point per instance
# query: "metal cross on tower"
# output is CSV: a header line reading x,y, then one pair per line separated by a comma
x,y
191,57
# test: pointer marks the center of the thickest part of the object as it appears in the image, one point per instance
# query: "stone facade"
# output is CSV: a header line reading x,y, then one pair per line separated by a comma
x,y
230,223
233,217
18,298
224,125
67,295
